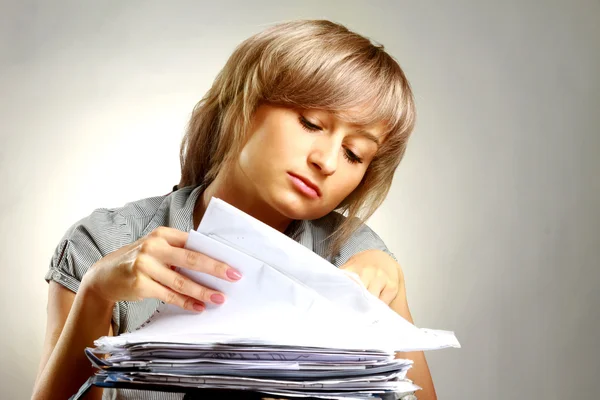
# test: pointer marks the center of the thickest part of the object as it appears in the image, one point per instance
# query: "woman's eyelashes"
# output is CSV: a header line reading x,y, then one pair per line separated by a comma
x,y
310,127
351,157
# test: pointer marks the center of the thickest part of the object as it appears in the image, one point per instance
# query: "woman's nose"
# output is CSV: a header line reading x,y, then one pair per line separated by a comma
x,y
324,156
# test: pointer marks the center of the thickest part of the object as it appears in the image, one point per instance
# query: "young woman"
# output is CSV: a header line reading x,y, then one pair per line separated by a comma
x,y
306,121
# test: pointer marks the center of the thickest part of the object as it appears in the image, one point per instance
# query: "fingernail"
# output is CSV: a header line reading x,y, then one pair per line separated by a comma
x,y
217,298
199,307
233,274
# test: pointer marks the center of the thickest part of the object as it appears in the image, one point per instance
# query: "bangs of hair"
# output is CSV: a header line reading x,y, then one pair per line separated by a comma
x,y
325,66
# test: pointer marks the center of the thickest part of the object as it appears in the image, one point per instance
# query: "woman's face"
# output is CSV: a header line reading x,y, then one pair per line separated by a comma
x,y
303,163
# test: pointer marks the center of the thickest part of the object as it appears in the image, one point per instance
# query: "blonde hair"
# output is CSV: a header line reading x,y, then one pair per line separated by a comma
x,y
309,64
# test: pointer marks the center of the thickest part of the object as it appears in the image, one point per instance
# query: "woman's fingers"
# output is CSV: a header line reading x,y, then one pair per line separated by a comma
x,y
376,285
376,282
164,247
388,294
166,244
384,287
152,289
353,275
199,262
172,236
177,282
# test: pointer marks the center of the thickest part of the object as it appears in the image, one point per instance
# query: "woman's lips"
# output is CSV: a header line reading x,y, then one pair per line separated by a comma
x,y
303,187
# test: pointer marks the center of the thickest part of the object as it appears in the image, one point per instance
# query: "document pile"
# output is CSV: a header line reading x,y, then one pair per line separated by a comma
x,y
294,325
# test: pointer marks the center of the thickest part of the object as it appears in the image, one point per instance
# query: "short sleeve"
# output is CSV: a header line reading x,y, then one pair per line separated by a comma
x,y
364,238
59,270
84,243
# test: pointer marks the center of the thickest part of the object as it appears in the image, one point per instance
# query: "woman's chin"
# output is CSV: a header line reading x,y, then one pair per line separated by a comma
x,y
298,207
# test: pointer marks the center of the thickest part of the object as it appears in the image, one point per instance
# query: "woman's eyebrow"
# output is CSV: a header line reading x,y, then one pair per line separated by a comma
x,y
368,135
361,132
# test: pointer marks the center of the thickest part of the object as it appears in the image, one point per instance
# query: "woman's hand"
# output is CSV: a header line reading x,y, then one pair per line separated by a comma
x,y
144,269
379,272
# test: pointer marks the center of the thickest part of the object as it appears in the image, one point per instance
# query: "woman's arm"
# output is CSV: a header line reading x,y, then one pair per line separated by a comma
x,y
383,277
419,373
60,301
136,271
74,322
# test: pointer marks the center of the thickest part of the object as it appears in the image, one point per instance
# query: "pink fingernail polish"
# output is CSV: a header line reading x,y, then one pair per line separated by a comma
x,y
217,298
233,274
199,307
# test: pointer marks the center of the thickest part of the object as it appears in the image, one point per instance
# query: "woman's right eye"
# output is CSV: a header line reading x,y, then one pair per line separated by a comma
x,y
306,125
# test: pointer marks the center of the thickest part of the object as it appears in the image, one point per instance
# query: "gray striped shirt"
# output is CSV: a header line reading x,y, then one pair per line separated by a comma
x,y
107,230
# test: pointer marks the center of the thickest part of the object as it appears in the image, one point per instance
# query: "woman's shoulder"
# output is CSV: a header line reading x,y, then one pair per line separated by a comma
x,y
104,223
362,238
103,231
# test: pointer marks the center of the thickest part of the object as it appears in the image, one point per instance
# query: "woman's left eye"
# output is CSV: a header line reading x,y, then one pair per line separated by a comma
x,y
351,157
308,125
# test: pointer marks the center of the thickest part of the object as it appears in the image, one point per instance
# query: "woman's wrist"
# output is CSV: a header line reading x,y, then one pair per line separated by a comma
x,y
91,299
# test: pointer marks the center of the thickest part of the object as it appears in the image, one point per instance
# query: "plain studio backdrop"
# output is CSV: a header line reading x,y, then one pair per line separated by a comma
x,y
494,212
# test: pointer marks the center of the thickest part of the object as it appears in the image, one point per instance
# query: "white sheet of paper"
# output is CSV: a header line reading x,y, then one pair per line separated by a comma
x,y
288,295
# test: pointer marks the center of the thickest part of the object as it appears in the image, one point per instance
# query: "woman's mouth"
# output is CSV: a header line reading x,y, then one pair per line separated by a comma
x,y
305,186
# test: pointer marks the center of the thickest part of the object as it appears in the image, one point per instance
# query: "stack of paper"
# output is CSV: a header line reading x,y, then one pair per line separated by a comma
x,y
276,370
294,324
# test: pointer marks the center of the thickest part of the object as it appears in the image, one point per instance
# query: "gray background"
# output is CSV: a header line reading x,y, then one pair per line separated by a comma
x,y
493,213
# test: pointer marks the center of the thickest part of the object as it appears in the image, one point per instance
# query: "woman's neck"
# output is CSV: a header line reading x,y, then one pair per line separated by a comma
x,y
242,197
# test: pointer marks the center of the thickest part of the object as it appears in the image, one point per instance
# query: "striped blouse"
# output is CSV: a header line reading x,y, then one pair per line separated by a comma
x,y
107,230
